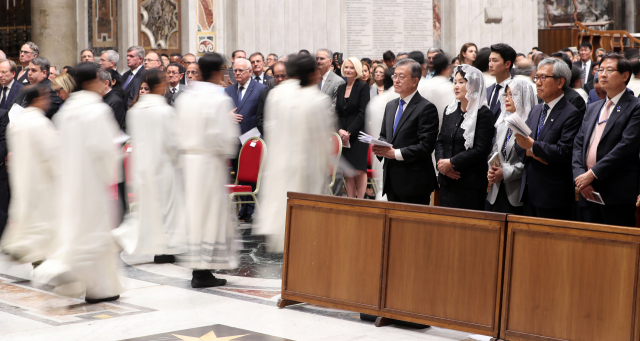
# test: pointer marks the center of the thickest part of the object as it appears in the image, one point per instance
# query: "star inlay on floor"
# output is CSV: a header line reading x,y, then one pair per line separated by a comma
x,y
217,332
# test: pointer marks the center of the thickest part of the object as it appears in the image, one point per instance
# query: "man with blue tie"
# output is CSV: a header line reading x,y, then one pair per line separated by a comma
x,y
547,189
9,88
605,151
135,76
245,93
500,64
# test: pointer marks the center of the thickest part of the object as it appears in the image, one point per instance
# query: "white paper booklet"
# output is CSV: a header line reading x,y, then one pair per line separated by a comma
x,y
366,138
15,112
517,124
598,198
249,134
494,160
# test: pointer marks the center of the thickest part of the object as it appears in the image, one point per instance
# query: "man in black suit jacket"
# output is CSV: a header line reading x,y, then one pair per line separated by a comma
x,y
9,87
113,98
4,182
585,64
133,78
257,64
606,149
571,95
280,75
28,51
39,74
547,189
410,124
500,64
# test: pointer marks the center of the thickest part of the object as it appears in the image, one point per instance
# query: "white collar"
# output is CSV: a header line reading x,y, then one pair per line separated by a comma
x,y
617,97
10,84
554,102
260,76
246,84
408,98
324,77
134,71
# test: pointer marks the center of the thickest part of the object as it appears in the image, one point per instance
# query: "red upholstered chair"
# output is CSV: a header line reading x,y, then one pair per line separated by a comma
x,y
250,166
371,173
336,152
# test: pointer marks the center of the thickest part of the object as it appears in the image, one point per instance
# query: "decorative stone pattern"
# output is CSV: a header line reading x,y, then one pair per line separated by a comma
x,y
160,21
104,21
206,26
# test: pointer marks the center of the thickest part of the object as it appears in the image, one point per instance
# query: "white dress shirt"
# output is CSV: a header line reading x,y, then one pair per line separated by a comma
x,y
587,67
551,105
324,78
259,78
246,86
404,107
8,88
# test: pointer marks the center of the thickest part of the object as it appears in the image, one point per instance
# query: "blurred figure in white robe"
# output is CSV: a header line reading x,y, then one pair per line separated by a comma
x,y
84,261
157,227
34,145
374,115
298,123
208,137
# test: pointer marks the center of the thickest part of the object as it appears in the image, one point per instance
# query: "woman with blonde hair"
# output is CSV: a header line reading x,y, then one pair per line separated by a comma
x,y
468,53
63,85
351,103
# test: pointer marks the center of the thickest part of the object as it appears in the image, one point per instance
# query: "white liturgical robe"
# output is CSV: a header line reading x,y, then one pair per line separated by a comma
x,y
157,226
298,123
34,146
208,137
85,256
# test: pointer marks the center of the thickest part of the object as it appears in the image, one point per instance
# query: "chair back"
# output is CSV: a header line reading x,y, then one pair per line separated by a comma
x,y
251,161
370,157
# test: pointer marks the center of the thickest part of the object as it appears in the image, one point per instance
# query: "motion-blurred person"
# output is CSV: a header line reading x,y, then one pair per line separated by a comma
x,y
33,214
301,167
525,70
85,258
158,226
280,75
63,86
164,58
9,87
208,137
54,71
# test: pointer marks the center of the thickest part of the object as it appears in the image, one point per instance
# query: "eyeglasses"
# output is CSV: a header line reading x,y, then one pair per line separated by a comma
x,y
239,70
543,78
279,76
57,91
606,71
508,95
398,77
151,60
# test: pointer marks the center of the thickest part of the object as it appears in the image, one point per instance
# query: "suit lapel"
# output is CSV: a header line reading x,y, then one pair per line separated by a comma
x,y
325,84
405,114
553,115
391,119
618,109
533,120
246,93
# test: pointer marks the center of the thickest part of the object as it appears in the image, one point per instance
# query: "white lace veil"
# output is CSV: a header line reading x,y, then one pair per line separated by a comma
x,y
477,97
523,95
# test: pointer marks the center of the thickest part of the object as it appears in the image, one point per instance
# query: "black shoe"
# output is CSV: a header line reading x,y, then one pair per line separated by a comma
x,y
164,259
98,300
245,218
205,279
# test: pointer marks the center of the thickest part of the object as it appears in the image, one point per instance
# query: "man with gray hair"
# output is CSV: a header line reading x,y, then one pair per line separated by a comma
x,y
109,60
525,70
54,72
547,189
2,55
430,54
330,81
410,124
113,98
28,51
135,76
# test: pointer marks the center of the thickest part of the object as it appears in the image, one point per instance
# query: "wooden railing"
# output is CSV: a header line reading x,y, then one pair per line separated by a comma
x,y
609,40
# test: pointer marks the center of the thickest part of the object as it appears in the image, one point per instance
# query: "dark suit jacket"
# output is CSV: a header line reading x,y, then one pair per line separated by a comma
x,y
4,121
249,104
578,64
133,87
415,136
265,78
617,154
24,80
472,162
498,108
271,83
116,102
588,86
574,98
11,95
352,120
260,109
56,101
551,186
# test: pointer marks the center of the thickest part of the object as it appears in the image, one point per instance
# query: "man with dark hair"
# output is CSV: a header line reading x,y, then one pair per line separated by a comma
x,y
568,52
272,59
401,55
585,63
389,59
591,84
501,62
136,74
304,52
210,235
235,54
9,87
535,49
257,64
519,57
606,149
86,56
38,74
153,61
280,75
429,71
174,78
572,96
175,58
438,89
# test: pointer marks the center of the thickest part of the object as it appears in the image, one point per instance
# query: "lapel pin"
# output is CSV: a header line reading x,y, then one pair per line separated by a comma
x,y
552,120
618,109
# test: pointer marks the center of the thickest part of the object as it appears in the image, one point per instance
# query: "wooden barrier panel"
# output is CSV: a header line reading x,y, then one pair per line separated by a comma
x,y
423,264
570,281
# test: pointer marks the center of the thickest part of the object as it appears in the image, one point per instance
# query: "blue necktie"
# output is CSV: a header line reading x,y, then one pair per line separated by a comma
x,y
494,100
398,116
128,80
4,96
240,94
506,142
543,118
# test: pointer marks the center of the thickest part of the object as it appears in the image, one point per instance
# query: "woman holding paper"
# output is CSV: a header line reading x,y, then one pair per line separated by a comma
x,y
464,142
351,103
505,175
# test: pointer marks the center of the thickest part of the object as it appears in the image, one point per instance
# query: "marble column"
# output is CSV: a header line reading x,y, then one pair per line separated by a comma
x,y
54,30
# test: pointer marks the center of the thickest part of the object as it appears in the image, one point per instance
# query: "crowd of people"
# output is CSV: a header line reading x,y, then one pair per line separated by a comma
x,y
184,119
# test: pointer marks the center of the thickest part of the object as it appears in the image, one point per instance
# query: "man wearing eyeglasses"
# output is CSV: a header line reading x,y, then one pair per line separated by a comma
x,y
547,190
39,74
174,76
152,61
9,87
28,51
245,93
606,148
280,75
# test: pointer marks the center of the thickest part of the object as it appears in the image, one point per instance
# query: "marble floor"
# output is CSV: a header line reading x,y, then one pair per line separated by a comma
x,y
159,304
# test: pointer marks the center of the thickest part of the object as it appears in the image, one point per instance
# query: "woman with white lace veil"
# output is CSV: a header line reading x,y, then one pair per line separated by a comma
x,y
464,142
517,98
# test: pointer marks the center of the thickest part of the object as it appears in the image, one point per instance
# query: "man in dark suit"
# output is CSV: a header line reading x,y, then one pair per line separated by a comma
x,y
547,190
410,124
585,64
257,64
174,82
500,64
591,85
234,55
606,148
279,75
28,51
571,95
135,76
113,98
39,74
4,182
245,94
9,87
